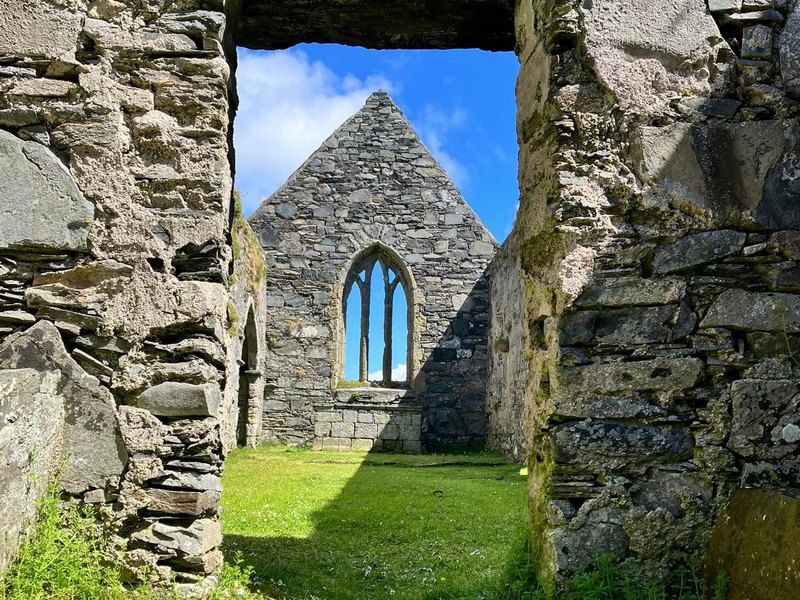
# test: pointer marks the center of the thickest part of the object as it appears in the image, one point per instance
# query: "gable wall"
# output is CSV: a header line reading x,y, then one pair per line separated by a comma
x,y
371,184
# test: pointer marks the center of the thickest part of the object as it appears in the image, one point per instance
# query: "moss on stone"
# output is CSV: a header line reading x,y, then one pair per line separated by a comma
x,y
246,249
541,251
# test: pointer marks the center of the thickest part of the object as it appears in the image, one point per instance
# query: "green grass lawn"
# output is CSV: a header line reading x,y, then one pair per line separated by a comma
x,y
341,526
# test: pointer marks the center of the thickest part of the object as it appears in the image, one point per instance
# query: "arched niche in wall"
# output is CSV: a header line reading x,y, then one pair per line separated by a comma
x,y
377,263
249,378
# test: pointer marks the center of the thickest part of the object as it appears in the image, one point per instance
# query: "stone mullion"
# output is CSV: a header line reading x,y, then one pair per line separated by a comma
x,y
363,359
388,301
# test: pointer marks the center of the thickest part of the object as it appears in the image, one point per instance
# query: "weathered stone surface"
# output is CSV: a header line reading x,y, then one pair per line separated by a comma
x,y
789,46
641,325
175,399
203,535
179,502
577,550
37,28
712,167
631,48
41,205
31,427
142,432
698,249
657,374
615,446
632,291
764,414
757,42
754,311
755,545
94,451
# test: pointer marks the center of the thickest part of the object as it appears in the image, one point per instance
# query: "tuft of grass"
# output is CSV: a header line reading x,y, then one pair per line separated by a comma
x,y
67,557
63,557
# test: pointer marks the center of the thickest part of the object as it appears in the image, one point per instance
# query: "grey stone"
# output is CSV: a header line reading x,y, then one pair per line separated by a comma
x,y
632,291
757,42
698,249
670,491
31,426
203,535
38,28
724,5
191,481
95,455
754,311
789,46
656,374
179,502
41,205
786,243
17,317
576,550
176,399
601,445
749,18
760,411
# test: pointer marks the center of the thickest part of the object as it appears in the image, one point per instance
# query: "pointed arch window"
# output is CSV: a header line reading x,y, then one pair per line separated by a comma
x,y
378,326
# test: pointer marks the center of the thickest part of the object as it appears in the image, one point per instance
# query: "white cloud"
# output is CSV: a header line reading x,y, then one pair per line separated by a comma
x,y
398,374
288,106
433,127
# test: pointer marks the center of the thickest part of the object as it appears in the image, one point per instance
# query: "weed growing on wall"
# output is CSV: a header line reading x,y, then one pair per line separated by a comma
x,y
66,558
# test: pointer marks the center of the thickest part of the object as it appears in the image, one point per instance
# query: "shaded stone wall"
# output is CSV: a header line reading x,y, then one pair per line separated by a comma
x,y
116,264
656,244
372,185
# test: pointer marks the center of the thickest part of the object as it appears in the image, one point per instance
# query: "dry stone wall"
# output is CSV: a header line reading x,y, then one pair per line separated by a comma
x,y
655,246
119,286
373,186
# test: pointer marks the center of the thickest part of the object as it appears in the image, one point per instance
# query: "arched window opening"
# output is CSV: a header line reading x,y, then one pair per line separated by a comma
x,y
376,312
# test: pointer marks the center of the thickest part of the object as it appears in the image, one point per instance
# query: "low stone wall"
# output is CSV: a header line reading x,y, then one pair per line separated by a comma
x,y
370,419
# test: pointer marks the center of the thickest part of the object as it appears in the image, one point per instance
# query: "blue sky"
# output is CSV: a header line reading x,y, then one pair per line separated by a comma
x,y
460,102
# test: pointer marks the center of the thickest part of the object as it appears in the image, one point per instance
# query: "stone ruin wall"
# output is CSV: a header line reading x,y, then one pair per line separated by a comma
x,y
118,293
373,185
657,244
626,173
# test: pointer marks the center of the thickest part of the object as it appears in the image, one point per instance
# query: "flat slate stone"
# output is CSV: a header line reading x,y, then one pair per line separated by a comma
x,y
755,311
175,399
611,445
698,249
40,205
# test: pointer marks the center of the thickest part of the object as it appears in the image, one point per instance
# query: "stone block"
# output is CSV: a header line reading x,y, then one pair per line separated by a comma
x,y
724,5
366,430
363,444
335,443
390,431
754,311
381,417
31,426
656,374
365,417
636,325
412,446
322,429
757,42
789,46
190,481
698,249
177,399
179,502
754,545
765,418
602,446
200,537
42,206
633,291
140,430
95,455
342,430
349,416
328,416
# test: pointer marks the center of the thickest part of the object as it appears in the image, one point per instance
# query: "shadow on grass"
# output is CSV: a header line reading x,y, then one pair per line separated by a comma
x,y
452,532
